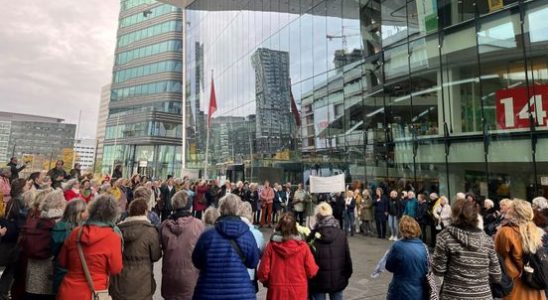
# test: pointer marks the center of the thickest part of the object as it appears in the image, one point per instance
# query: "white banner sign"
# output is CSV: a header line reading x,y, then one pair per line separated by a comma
x,y
332,184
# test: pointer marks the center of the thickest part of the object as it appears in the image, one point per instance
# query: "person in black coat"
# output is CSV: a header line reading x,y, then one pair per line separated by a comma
x,y
338,205
279,199
167,191
380,204
422,215
15,169
332,255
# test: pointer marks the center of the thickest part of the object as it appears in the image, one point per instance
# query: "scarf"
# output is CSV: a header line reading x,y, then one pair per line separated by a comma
x,y
136,218
180,213
328,221
105,224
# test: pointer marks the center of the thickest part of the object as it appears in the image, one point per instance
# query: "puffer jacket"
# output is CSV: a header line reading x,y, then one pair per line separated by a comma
x,y
179,235
332,254
223,273
467,259
285,268
141,250
407,259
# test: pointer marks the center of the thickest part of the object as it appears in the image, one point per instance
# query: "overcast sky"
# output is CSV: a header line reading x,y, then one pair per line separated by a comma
x,y
55,56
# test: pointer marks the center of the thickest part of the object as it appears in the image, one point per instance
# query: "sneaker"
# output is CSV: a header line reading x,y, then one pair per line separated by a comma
x,y
391,238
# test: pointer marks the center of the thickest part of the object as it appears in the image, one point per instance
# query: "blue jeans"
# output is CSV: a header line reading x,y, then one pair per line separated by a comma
x,y
393,225
332,296
349,220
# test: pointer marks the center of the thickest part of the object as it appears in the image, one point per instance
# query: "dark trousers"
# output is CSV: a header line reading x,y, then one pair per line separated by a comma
x,y
433,233
299,215
423,232
380,222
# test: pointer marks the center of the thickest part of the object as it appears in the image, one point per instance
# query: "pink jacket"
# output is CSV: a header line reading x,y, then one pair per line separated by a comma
x,y
267,195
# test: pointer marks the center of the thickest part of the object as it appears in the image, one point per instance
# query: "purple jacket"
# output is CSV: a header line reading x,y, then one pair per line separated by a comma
x,y
179,235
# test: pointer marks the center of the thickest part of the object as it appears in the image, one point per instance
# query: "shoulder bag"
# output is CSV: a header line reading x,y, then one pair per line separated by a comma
x,y
95,295
430,285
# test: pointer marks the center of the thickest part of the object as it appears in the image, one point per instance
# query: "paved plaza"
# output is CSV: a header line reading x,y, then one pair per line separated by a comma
x,y
365,251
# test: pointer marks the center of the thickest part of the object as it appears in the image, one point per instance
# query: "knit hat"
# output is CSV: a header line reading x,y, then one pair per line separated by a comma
x,y
323,210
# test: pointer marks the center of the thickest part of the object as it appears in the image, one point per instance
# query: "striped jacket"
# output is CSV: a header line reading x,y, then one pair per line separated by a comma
x,y
467,260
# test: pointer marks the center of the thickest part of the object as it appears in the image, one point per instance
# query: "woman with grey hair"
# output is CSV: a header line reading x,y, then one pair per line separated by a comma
x,y
223,255
101,244
75,213
210,216
179,234
36,245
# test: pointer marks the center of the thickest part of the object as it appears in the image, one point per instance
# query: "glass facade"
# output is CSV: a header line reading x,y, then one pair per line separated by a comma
x,y
144,127
438,95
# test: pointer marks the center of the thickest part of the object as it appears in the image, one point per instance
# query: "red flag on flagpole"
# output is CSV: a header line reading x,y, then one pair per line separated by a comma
x,y
294,109
212,104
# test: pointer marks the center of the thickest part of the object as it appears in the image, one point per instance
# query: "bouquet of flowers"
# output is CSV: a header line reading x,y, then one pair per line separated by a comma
x,y
305,232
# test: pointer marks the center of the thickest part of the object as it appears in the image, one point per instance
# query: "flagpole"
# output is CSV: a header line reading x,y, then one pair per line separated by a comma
x,y
208,129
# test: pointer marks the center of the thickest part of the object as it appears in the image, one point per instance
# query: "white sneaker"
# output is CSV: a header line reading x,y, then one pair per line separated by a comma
x,y
391,238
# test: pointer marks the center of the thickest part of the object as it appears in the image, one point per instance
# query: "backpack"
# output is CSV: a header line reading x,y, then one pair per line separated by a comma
x,y
504,288
535,270
36,237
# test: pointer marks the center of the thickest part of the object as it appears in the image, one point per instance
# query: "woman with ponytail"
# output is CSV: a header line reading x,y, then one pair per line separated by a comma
x,y
513,241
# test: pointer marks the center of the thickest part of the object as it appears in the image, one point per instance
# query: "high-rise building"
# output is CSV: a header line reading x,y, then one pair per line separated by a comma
x,y
84,150
143,129
272,99
101,126
444,96
40,140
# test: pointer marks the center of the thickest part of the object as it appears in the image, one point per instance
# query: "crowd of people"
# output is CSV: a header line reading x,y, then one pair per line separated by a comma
x,y
80,239
64,235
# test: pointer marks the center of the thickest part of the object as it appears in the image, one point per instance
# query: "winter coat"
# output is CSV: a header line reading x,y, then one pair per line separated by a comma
x,y
60,233
102,248
179,235
332,254
411,208
468,261
366,209
310,201
394,207
200,201
285,269
141,250
381,207
422,213
223,274
509,247
253,198
408,261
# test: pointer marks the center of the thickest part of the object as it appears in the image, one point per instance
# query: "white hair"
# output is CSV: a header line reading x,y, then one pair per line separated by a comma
x,y
540,202
488,203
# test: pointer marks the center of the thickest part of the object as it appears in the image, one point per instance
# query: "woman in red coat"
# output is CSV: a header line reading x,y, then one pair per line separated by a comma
x,y
287,263
102,247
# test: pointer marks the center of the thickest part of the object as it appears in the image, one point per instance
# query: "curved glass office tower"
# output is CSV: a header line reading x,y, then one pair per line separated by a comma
x,y
144,129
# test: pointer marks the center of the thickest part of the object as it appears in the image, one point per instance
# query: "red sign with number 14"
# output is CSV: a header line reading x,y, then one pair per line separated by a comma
x,y
514,105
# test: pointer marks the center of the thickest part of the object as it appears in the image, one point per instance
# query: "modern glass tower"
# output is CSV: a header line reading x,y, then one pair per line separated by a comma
x,y
143,131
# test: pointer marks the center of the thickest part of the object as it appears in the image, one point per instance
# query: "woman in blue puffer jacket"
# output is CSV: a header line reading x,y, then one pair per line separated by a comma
x,y
223,254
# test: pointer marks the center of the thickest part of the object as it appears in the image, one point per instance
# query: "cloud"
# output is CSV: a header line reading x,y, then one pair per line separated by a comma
x,y
56,56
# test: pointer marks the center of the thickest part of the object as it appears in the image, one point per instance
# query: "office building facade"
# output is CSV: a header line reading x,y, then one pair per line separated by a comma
x,y
101,128
84,150
143,130
40,140
430,95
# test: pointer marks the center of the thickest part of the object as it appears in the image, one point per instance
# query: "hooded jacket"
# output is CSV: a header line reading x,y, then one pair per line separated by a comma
x,y
332,254
141,250
407,259
102,248
285,269
179,235
467,259
223,273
